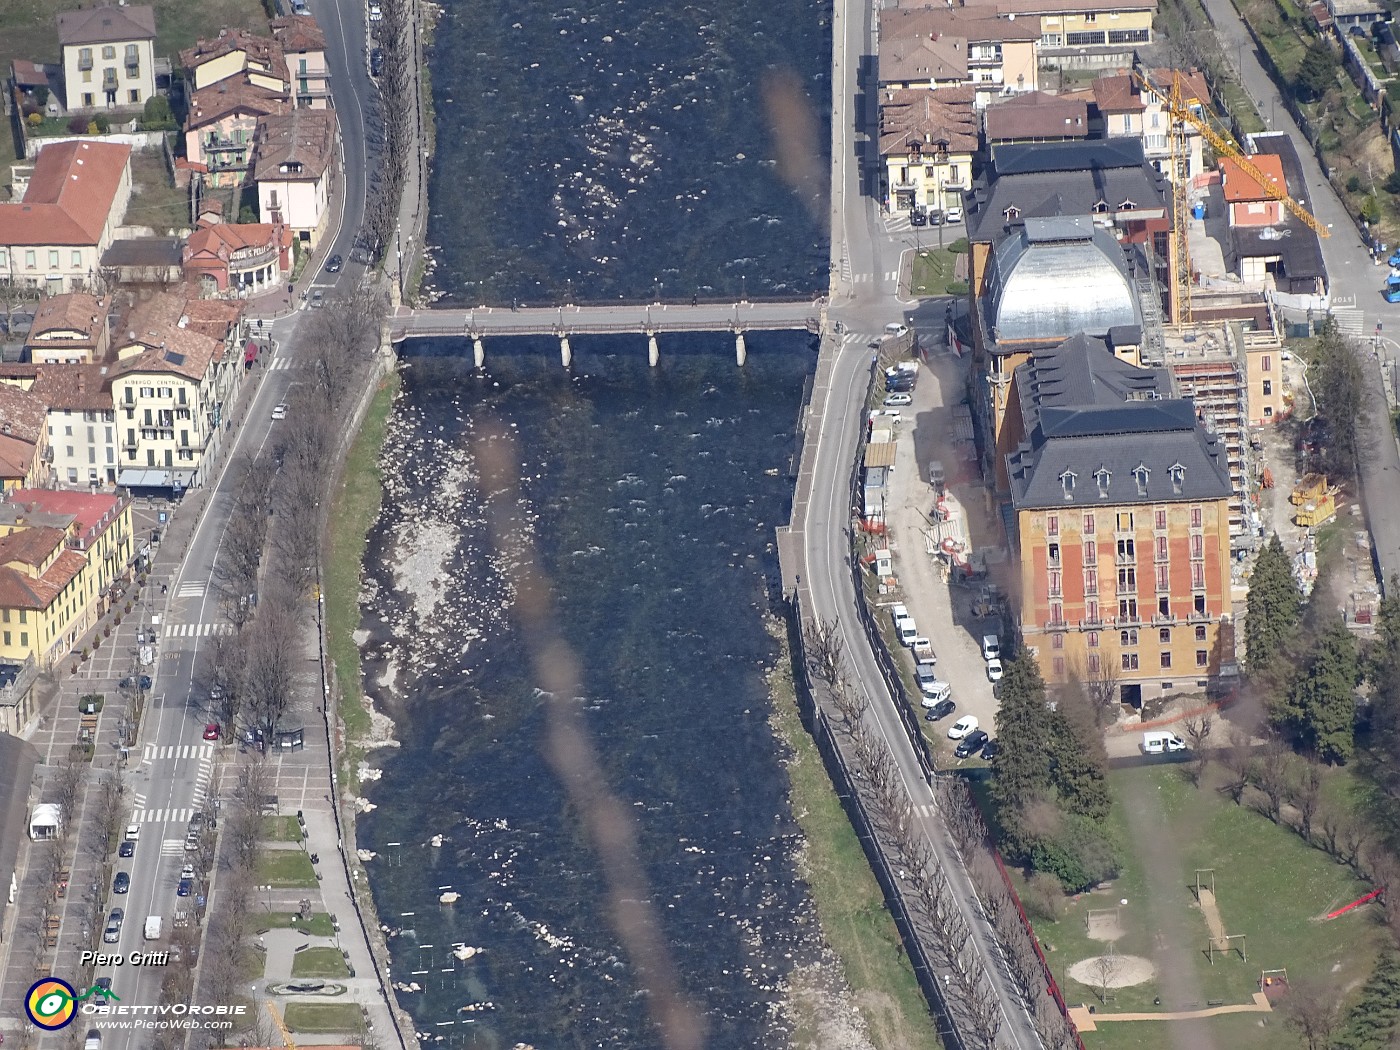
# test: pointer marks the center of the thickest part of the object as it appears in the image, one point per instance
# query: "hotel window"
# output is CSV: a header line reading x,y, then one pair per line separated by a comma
x,y
1130,661
1198,576
1164,582
1161,548
1057,612
1057,641
1052,524
1092,639
1164,636
1196,516
1164,605
1200,633
1202,658
1125,550
1091,553
1055,583
1159,519
1127,579
1166,661
1091,581
1052,552
1127,610
1088,524
1059,665
1198,546
1200,604
1091,612
1127,637
1094,663
1125,521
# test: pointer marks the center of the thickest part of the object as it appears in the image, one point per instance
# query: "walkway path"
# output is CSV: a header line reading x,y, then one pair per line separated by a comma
x,y
1355,280
1089,1022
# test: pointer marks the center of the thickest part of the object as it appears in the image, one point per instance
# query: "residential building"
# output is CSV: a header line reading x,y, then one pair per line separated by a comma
x,y
1080,34
937,46
60,554
293,165
236,54
108,56
170,384
24,443
222,124
1036,117
1270,247
238,258
927,139
54,237
32,78
1362,14
1119,498
81,423
68,328
1127,109
304,46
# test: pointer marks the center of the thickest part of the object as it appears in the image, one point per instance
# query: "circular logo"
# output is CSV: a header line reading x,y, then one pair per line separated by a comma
x,y
51,1003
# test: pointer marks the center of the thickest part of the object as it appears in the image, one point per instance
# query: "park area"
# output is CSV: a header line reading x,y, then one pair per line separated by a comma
x,y
1214,904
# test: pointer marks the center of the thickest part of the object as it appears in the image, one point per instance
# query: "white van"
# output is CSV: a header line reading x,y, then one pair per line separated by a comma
x,y
898,614
991,647
152,927
935,691
908,630
1161,743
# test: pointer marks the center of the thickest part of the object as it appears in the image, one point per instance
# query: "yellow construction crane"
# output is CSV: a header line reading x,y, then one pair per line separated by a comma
x,y
1224,146
281,1026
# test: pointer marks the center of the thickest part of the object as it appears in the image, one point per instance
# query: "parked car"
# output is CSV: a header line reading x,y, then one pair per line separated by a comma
x,y
211,731
375,14
94,1037
103,987
113,932
990,750
187,872
953,216
334,263
918,218
121,882
133,832
142,682
994,670
962,727
184,888
376,62
127,849
898,399
970,744
942,709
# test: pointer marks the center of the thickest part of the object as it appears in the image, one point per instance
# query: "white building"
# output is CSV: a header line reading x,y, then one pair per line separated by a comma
x,y
108,56
293,164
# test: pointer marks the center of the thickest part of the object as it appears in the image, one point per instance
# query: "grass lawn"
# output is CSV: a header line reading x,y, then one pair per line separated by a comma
x,y
356,507
281,829
1269,886
850,906
319,962
155,200
322,1017
285,867
319,924
934,270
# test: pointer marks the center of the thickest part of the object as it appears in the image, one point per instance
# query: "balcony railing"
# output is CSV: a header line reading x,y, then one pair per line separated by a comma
x,y
1199,617
85,62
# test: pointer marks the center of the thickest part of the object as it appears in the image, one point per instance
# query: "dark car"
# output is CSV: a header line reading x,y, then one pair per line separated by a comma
x,y
990,749
103,986
183,890
376,62
127,849
942,709
121,883
971,744
917,218
334,263
898,386
142,682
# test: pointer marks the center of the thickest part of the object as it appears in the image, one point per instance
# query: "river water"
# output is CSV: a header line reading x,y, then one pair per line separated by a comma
x,y
604,149
651,496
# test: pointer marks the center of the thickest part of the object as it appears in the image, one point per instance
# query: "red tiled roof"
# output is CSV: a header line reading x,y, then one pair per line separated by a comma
x,y
917,118
30,546
261,53
1240,186
1194,89
69,197
1117,93
82,387
235,95
303,138
16,457
22,415
1037,115
298,33
221,239
29,74
21,591
92,512
79,312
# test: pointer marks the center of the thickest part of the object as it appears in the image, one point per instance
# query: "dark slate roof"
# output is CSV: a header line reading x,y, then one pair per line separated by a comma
x,y
1040,179
143,251
1087,412
1299,248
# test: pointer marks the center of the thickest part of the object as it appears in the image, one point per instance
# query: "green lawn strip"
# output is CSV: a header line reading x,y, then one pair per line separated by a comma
x,y
356,507
281,829
319,962
1269,886
934,270
285,868
322,1017
155,200
1229,1030
319,925
850,906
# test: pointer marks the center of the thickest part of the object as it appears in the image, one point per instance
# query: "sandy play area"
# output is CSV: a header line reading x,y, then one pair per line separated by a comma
x,y
1124,971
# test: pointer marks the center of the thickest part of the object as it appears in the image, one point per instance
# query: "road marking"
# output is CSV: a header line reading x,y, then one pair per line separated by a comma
x,y
192,590
172,848
161,816
1349,321
281,364
196,630
893,275
154,752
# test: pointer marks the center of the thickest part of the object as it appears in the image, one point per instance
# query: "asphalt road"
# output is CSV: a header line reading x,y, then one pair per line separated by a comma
x,y
172,766
624,317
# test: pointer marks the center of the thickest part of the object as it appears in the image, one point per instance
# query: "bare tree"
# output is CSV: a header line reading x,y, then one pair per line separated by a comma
x,y
824,648
270,659
1313,1010
1306,796
1271,775
1197,729
68,785
1237,759
1106,968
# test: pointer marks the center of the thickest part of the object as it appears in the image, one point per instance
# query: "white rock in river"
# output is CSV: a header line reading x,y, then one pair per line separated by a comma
x,y
465,951
450,897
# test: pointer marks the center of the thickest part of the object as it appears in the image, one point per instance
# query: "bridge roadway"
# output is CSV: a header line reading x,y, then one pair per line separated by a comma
x,y
643,318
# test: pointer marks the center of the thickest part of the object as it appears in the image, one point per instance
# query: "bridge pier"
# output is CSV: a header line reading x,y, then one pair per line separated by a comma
x,y
653,352
741,352
478,351
566,356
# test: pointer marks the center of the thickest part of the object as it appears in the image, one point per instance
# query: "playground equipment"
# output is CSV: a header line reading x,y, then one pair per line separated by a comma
x,y
1273,983
1315,499
1374,894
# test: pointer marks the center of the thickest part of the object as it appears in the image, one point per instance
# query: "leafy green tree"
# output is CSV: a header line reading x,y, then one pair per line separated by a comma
x,y
1078,853
1339,383
1316,73
1320,708
1079,769
1272,610
157,111
1021,769
1371,1024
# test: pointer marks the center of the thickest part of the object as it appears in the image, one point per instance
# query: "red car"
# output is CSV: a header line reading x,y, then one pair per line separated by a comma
x,y
211,731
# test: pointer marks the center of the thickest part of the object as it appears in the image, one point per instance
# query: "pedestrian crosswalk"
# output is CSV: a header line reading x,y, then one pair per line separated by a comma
x,y
927,809
1350,321
162,816
172,847
280,364
157,752
867,278
196,630
192,590
201,780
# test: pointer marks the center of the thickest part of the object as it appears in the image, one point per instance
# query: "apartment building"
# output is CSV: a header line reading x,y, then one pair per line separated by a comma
x,y
81,424
1121,525
927,139
1080,34
70,328
54,237
1125,108
236,54
24,445
108,56
222,124
304,47
940,46
293,165
60,553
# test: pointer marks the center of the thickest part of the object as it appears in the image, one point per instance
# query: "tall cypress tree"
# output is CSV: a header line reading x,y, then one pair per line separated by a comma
x,y
1022,767
1321,705
1273,609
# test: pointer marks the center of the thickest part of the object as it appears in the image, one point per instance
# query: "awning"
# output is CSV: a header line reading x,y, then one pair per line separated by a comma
x,y
250,352
145,479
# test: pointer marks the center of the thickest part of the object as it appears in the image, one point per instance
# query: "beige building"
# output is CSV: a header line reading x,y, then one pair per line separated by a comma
x,y
293,165
1080,34
927,139
943,46
108,56
68,329
81,424
235,54
304,46
53,239
1129,110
